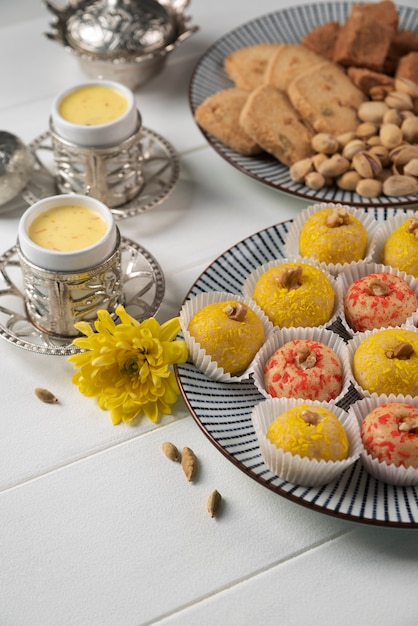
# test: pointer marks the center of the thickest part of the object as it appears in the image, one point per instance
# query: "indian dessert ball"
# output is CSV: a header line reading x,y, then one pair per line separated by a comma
x,y
305,369
230,332
378,300
295,294
310,431
390,433
333,235
400,248
386,362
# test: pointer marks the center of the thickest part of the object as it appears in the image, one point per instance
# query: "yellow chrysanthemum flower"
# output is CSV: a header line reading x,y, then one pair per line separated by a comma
x,y
126,366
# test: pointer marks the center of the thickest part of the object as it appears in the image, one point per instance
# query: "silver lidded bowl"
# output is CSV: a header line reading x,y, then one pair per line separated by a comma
x,y
127,41
16,166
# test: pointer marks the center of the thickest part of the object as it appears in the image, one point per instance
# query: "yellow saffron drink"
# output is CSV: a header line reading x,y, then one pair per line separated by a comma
x,y
67,228
93,105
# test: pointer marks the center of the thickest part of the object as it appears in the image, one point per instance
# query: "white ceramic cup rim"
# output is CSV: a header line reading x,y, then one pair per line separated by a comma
x,y
67,261
100,135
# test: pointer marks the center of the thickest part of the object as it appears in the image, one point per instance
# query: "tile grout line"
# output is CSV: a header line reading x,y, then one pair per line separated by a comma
x,y
85,457
255,574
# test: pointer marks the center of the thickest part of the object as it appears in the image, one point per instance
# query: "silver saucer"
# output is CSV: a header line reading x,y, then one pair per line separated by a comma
x,y
144,288
160,169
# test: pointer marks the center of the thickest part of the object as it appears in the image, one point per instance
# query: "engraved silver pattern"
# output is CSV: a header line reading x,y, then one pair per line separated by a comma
x,y
143,290
109,46
112,28
160,171
112,175
55,301
16,165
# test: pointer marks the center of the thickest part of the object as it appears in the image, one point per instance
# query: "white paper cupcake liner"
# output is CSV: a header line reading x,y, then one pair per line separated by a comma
x,y
283,336
388,473
353,273
352,346
198,355
292,467
251,280
413,321
292,240
382,232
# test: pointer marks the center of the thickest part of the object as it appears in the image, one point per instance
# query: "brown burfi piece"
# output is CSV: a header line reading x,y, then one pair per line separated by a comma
x,y
287,63
269,118
219,115
367,80
408,67
363,42
326,98
403,42
245,66
384,12
322,39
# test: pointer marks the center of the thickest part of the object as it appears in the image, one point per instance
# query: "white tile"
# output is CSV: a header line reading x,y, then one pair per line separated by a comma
x,y
11,12
124,538
367,576
35,67
36,438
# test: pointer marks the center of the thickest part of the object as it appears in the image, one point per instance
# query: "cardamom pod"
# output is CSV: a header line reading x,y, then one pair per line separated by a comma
x,y
214,502
45,396
171,451
189,463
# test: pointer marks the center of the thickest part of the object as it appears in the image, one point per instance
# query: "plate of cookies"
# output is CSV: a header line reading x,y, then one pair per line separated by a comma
x,y
319,101
303,370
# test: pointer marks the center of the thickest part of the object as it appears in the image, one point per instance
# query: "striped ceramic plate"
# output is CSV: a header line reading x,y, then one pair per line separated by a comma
x,y
223,410
287,25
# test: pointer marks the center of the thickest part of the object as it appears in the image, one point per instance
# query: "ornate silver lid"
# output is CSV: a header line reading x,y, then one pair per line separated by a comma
x,y
112,28
120,32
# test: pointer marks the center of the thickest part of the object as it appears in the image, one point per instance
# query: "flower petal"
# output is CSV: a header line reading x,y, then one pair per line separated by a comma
x,y
170,329
126,366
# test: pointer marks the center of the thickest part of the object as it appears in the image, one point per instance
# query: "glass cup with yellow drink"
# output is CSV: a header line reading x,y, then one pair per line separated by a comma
x,y
95,129
70,255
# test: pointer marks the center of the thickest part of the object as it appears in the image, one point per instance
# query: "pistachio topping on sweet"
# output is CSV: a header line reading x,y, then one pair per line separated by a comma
x,y
378,288
338,217
408,423
311,417
305,359
237,311
291,277
413,227
402,351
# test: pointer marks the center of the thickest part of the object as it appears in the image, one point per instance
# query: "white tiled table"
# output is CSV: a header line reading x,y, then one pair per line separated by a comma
x,y
97,527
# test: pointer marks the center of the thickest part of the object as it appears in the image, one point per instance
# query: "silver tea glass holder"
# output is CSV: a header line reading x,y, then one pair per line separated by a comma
x,y
143,293
111,174
56,300
71,269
